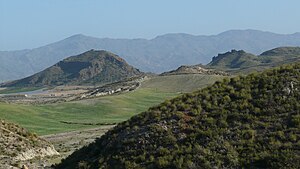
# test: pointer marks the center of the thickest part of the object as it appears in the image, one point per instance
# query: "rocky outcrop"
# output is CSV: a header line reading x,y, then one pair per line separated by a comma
x,y
17,144
194,69
36,152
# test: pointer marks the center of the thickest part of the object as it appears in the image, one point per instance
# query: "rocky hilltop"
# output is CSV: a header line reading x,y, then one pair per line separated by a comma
x,y
234,59
244,122
194,69
239,61
91,67
17,145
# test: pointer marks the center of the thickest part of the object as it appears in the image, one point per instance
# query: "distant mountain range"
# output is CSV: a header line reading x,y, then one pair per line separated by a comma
x,y
101,67
91,67
157,55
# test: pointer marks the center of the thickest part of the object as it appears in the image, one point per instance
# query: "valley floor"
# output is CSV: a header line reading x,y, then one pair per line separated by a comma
x,y
45,119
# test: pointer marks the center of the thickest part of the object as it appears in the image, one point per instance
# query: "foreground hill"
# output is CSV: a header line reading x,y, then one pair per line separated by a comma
x,y
17,144
160,54
240,61
90,67
243,122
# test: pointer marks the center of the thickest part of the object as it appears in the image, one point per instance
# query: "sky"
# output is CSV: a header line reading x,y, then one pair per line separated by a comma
x,y
26,24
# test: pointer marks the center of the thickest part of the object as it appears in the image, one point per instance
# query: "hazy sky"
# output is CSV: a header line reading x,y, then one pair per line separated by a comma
x,y
32,23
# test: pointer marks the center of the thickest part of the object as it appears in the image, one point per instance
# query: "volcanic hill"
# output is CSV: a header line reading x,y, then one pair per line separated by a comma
x,y
91,67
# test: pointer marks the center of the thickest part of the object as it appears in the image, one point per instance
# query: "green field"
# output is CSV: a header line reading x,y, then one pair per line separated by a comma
x,y
46,119
180,83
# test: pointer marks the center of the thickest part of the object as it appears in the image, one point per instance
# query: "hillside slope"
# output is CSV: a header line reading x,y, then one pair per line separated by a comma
x,y
242,62
17,144
163,53
245,122
90,67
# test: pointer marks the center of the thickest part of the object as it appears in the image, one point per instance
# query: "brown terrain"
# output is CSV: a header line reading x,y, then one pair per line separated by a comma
x,y
19,147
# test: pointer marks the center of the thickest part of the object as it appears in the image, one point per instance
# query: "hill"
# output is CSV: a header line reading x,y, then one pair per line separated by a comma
x,y
243,122
234,59
91,67
280,56
160,54
282,51
17,144
194,69
242,62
